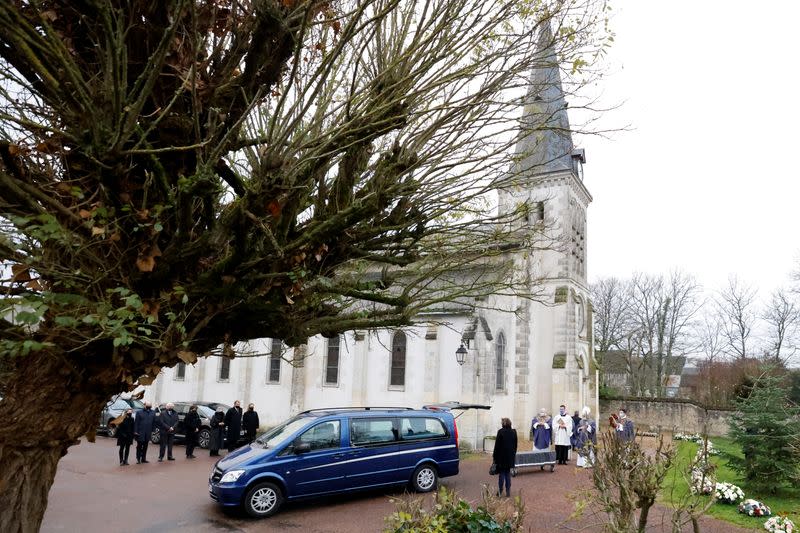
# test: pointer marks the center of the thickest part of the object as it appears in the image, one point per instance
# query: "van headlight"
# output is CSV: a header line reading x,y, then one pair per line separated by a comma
x,y
231,476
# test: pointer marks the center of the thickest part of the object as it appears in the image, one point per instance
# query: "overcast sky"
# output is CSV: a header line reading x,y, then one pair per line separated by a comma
x,y
707,179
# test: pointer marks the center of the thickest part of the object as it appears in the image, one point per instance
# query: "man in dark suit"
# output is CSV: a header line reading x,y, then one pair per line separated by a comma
x,y
142,429
167,422
233,425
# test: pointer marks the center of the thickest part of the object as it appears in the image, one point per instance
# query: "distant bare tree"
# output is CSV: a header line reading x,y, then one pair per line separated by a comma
x,y
735,306
710,343
662,309
782,317
611,312
683,291
708,335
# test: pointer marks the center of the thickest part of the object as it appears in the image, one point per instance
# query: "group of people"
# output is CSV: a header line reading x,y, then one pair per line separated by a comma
x,y
564,431
223,424
229,424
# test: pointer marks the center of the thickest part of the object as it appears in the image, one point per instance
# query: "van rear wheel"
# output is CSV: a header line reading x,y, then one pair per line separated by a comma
x,y
425,478
262,500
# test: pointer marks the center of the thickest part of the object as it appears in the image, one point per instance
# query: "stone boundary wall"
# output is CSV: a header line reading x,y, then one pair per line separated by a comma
x,y
668,414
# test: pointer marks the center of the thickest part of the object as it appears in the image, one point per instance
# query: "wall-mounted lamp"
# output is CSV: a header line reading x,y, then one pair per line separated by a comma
x,y
461,354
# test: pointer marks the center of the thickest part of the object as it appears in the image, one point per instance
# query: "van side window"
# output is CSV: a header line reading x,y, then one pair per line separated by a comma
x,y
322,436
421,428
371,431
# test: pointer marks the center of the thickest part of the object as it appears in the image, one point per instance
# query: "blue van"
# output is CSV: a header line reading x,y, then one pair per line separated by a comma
x,y
328,451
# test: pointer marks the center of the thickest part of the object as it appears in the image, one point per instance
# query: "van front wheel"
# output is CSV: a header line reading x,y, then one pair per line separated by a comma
x,y
263,500
425,478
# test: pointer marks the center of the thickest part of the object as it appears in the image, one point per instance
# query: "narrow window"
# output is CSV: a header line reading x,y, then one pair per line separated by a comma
x,y
500,356
224,369
332,362
274,371
180,372
398,370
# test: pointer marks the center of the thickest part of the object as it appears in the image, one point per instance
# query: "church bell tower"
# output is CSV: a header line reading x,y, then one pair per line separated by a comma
x,y
555,363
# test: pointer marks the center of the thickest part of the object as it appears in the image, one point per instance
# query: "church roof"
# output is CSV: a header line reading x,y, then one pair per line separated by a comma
x,y
545,143
472,328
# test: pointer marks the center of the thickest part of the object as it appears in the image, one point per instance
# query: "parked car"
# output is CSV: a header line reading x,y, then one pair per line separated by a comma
x,y
113,409
205,410
328,451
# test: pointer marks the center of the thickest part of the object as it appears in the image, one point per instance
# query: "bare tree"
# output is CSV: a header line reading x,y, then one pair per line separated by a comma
x,y
710,343
662,310
683,292
782,317
178,176
735,305
611,318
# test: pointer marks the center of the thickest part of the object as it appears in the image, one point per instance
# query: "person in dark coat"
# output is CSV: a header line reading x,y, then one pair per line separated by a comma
x,y
586,441
125,437
142,430
250,423
192,426
217,432
167,421
576,419
625,430
504,455
233,425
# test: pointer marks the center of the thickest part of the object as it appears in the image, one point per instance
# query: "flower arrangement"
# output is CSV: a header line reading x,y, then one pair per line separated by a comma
x,y
754,508
779,524
728,493
702,455
702,482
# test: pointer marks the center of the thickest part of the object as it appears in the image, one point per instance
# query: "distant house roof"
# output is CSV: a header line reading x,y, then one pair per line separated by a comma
x,y
613,361
616,362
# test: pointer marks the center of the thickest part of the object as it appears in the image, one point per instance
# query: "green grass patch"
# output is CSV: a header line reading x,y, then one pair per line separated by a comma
x,y
786,500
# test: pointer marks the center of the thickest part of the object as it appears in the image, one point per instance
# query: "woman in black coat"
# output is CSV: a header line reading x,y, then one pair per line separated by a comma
x,y
125,437
191,425
217,432
504,455
250,423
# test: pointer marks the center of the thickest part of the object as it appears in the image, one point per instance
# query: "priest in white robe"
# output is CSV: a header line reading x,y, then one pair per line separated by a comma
x,y
562,431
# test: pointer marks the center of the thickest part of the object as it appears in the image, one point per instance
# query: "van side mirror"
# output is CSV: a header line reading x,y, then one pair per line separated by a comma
x,y
302,447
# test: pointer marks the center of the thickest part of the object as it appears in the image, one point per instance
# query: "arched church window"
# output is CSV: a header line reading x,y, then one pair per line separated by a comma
x,y
397,376
274,369
500,362
332,362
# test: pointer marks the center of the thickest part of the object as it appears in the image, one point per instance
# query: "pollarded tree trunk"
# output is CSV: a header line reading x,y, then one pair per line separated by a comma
x,y
44,412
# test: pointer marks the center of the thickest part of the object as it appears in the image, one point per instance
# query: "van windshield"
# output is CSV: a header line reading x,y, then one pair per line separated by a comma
x,y
280,434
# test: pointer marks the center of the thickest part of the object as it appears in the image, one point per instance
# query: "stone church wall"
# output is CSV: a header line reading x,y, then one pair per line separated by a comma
x,y
650,414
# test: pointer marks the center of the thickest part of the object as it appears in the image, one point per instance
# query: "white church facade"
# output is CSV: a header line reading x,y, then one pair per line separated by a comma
x,y
522,354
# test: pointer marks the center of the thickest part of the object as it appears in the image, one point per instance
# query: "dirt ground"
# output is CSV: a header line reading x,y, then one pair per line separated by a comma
x,y
92,493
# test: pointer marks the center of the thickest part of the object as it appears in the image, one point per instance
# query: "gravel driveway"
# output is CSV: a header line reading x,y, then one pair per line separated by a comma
x,y
92,493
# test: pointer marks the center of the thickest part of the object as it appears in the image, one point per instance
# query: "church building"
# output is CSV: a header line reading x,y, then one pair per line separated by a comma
x,y
521,354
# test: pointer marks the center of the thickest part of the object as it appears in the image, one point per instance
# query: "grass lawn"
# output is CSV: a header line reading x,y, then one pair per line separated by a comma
x,y
786,500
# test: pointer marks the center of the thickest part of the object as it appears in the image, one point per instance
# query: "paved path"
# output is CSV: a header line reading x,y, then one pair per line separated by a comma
x,y
93,494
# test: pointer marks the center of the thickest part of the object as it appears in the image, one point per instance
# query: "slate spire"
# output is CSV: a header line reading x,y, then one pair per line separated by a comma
x,y
545,143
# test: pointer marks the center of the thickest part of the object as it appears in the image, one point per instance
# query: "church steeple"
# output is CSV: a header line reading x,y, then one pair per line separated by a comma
x,y
545,143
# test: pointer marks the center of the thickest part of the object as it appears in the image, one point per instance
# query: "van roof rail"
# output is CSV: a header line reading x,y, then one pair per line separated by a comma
x,y
369,408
